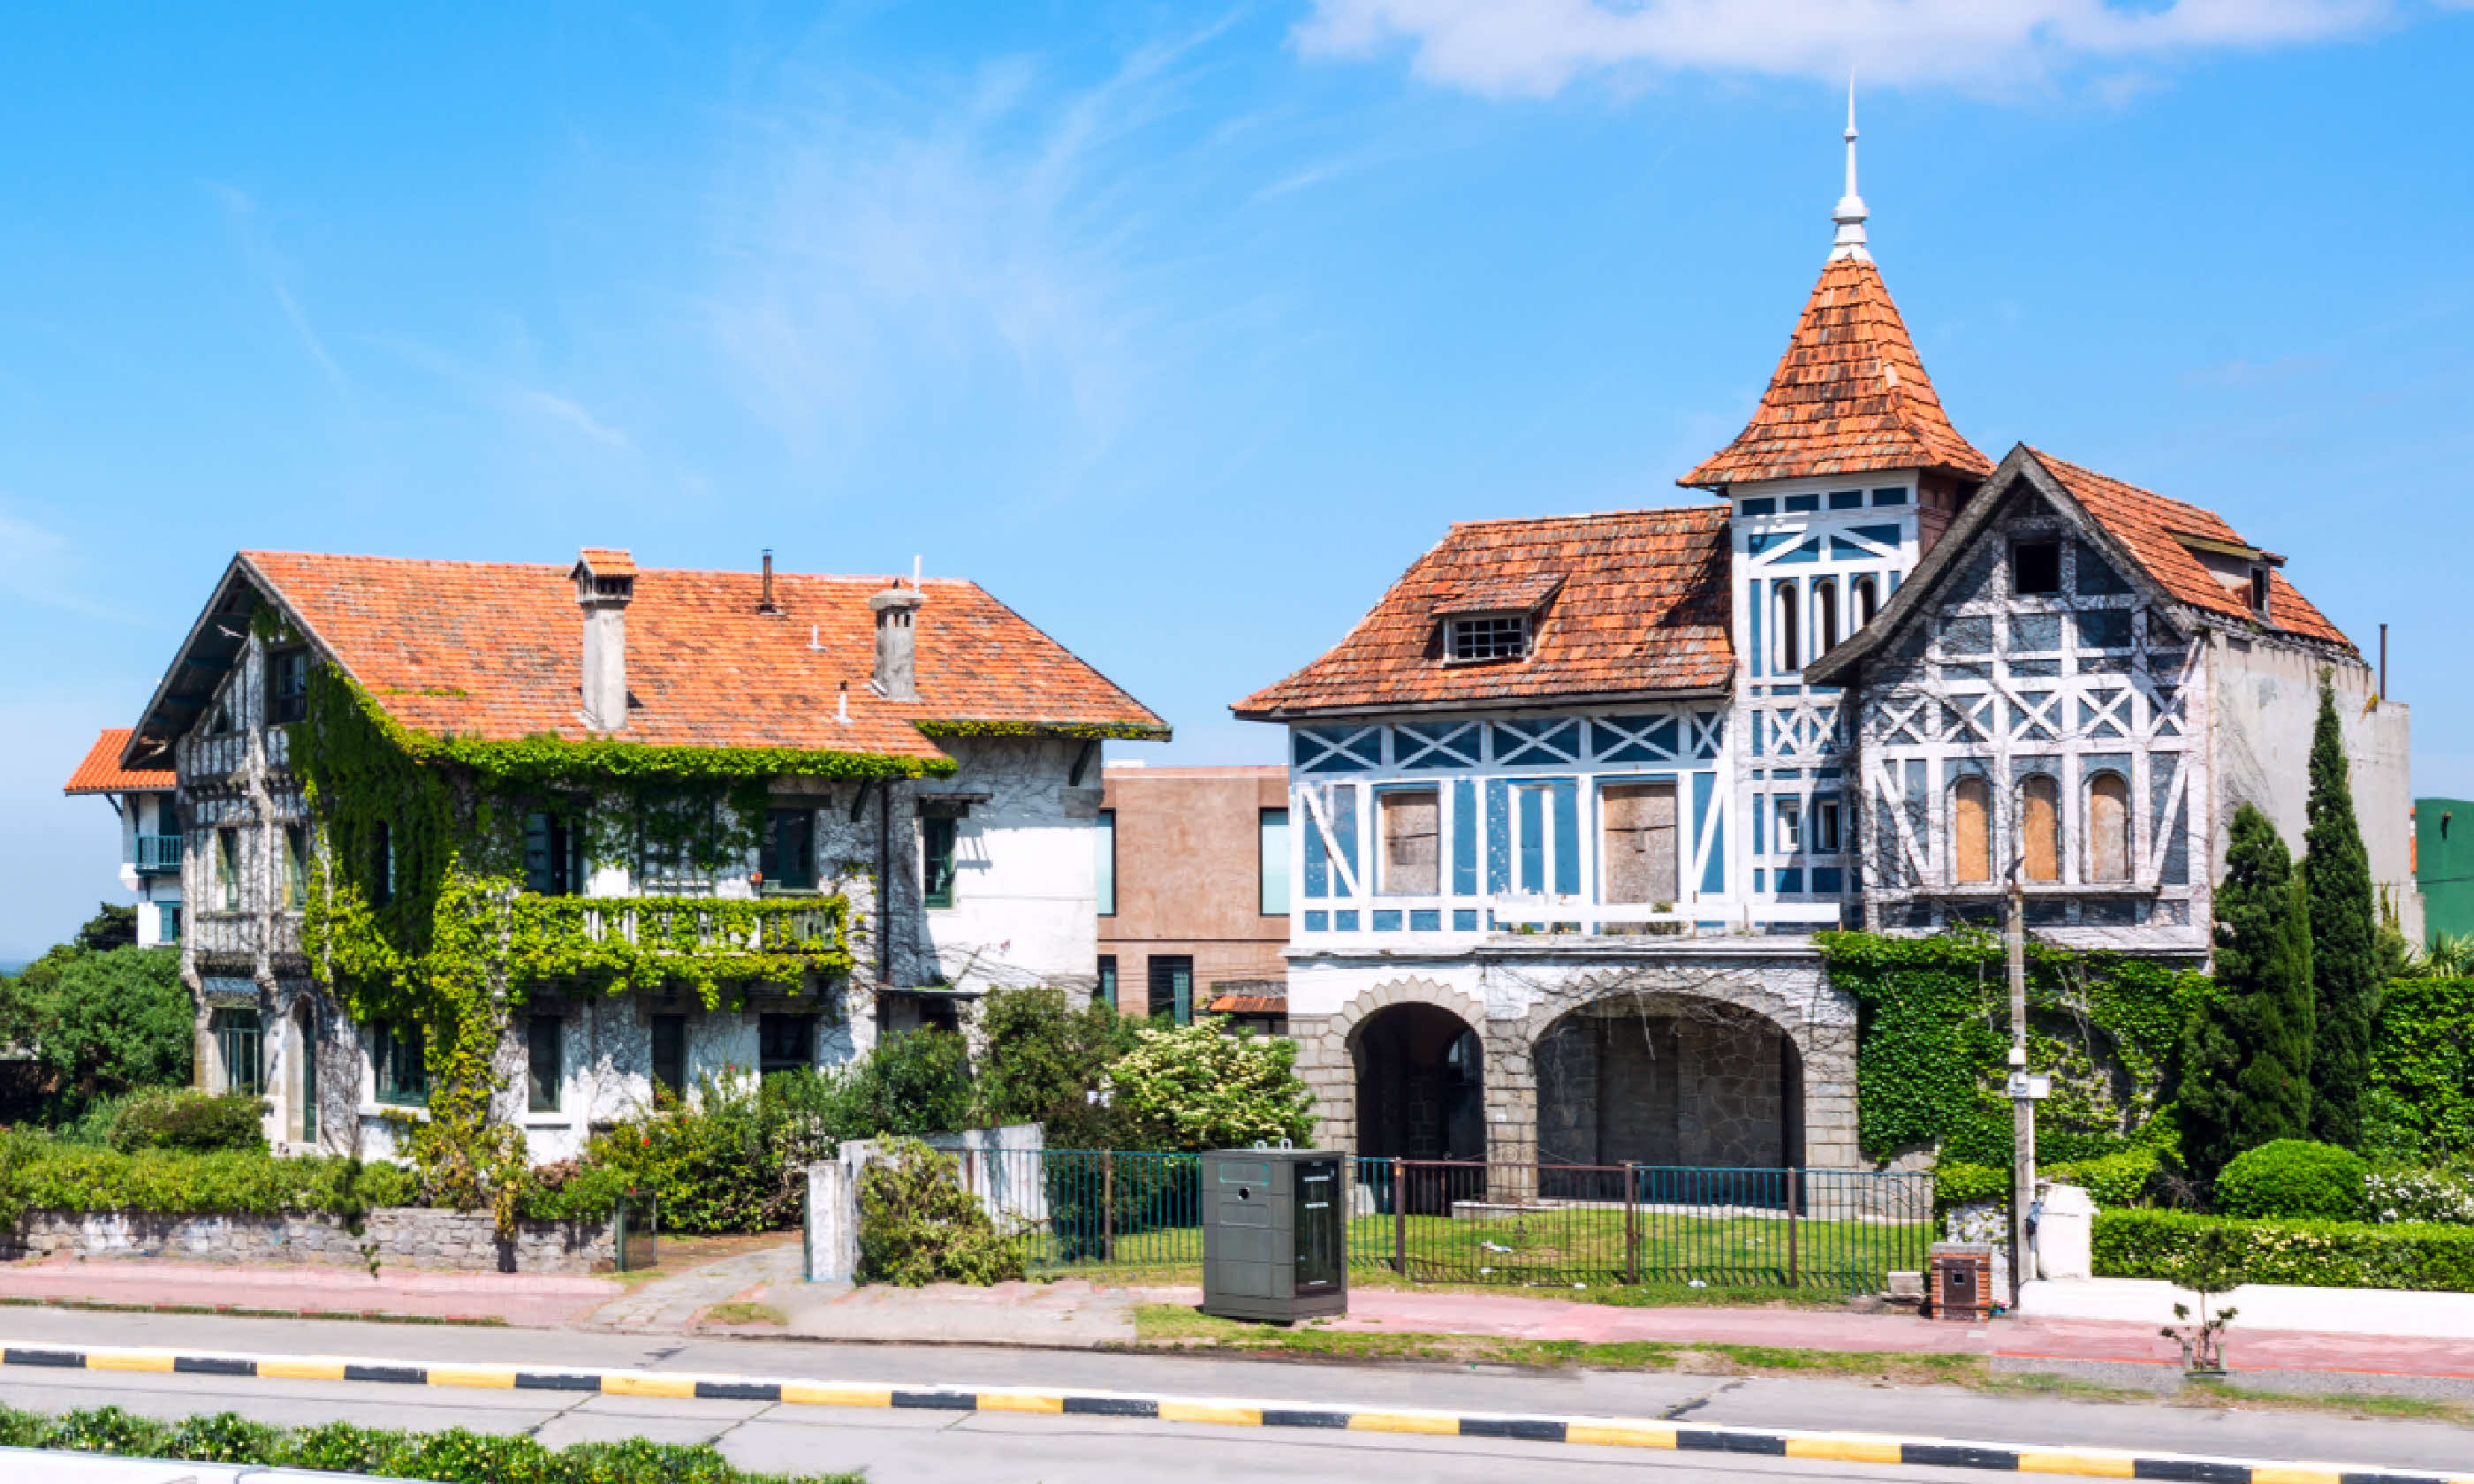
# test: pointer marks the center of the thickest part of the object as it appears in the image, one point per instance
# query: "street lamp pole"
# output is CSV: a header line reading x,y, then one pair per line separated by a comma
x,y
2022,1104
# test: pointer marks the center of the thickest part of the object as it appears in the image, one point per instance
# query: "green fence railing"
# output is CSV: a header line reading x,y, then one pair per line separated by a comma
x,y
1438,1221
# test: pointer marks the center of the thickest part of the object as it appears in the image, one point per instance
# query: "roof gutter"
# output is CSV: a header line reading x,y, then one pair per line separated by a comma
x,y
1279,713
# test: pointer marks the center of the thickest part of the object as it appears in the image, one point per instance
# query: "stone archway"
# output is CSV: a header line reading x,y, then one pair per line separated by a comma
x,y
1667,1079
1329,1054
1420,1084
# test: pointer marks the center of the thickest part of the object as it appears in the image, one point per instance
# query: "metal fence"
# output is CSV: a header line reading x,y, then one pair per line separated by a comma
x,y
1839,1230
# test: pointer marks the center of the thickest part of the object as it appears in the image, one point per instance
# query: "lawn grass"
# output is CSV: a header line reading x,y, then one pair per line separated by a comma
x,y
740,1311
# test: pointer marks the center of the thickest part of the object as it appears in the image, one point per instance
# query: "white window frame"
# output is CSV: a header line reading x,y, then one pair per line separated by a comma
x,y
1454,625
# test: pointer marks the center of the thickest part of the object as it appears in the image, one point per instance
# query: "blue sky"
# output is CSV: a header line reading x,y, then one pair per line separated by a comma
x,y
1183,329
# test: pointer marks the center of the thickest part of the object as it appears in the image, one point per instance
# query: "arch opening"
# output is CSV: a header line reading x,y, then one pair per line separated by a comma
x,y
2108,816
1664,1080
1422,1096
1970,830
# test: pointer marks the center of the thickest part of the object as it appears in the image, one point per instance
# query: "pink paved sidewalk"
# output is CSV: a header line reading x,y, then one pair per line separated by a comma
x,y
1375,1310
514,1298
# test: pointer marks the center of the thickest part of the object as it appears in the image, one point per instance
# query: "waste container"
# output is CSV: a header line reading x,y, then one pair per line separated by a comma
x,y
1275,1234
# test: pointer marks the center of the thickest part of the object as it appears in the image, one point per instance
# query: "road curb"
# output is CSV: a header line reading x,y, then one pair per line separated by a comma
x,y
1604,1431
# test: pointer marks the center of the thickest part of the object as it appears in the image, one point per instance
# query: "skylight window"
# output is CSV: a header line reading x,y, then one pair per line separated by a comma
x,y
1494,636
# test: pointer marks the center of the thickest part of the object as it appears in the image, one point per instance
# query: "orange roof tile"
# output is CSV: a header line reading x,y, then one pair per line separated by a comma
x,y
1850,396
1643,609
495,651
2146,522
101,772
607,561
1248,1005
1509,594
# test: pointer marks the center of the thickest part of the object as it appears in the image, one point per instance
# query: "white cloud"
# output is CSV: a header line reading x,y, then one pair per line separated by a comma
x,y
1535,47
40,566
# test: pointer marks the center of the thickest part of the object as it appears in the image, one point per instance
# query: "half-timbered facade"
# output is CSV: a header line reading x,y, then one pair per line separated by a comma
x,y
1570,800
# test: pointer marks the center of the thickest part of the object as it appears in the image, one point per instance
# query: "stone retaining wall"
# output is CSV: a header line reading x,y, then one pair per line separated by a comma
x,y
393,1236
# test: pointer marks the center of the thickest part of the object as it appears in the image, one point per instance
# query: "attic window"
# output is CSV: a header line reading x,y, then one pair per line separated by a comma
x,y
2036,568
1487,637
2259,591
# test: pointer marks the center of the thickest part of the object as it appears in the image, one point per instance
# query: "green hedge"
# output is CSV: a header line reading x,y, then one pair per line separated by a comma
x,y
2319,1253
454,1456
35,1175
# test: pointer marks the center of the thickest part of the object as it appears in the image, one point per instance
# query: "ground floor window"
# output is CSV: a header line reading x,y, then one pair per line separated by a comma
x,y
1172,988
399,1055
240,1044
1108,992
785,1043
544,1038
671,1056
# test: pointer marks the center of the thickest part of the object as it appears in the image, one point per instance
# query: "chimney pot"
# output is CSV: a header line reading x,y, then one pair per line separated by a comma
x,y
605,583
897,642
766,605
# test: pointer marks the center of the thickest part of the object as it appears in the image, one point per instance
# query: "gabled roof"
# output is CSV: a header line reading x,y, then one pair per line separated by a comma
x,y
494,652
1641,610
1849,397
101,772
2135,527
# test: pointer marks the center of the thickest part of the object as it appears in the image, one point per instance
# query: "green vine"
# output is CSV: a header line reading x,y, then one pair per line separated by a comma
x,y
417,911
1934,1034
1123,731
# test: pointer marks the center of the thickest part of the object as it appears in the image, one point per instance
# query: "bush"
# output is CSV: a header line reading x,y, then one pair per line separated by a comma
x,y
454,1456
102,1023
2293,1177
2419,1195
1959,1184
1212,1089
2112,1181
178,1119
41,1174
2323,1254
915,1082
1043,1056
918,1226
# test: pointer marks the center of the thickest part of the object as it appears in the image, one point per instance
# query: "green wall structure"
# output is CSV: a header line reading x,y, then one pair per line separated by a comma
x,y
2443,866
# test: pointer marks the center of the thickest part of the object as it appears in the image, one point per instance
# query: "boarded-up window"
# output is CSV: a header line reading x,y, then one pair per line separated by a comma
x,y
1639,821
2040,821
2108,825
1971,831
1413,832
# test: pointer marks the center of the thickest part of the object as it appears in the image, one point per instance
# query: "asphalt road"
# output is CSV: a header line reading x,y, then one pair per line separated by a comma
x,y
913,1448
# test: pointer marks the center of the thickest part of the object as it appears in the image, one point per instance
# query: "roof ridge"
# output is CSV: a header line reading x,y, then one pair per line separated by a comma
x,y
560,568
1689,512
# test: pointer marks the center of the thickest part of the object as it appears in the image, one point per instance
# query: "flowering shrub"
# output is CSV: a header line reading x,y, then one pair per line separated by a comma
x,y
918,1226
2419,1195
1214,1089
2321,1254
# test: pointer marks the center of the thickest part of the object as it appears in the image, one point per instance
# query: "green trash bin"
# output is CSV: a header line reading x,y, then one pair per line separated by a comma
x,y
1275,1234
638,1219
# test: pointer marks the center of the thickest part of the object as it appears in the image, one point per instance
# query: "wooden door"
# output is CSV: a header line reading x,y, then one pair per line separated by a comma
x,y
1639,840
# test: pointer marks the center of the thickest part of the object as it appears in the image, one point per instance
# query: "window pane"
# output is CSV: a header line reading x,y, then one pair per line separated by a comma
x,y
936,847
787,860
1107,863
1171,988
543,1037
1107,991
785,1043
1275,853
670,1054
239,1045
1490,638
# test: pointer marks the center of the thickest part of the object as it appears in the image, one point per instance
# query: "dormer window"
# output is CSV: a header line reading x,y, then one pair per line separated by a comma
x,y
2258,592
1487,637
287,686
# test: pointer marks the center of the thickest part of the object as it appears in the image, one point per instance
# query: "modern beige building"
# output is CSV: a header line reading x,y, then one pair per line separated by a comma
x,y
1194,890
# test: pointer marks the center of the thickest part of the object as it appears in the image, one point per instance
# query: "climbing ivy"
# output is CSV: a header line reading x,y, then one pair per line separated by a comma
x,y
1126,732
417,910
1934,1032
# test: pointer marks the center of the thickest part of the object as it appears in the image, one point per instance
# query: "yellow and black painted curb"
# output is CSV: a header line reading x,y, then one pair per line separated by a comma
x,y
1616,1431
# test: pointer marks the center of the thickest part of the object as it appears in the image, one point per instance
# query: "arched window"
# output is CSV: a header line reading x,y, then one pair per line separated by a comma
x,y
2108,827
1825,616
2040,826
1790,653
1971,831
1867,595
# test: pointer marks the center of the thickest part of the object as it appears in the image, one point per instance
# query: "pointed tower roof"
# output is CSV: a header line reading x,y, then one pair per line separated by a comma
x,y
1850,395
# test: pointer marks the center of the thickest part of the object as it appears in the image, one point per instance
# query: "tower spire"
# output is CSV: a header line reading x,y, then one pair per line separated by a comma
x,y
1849,213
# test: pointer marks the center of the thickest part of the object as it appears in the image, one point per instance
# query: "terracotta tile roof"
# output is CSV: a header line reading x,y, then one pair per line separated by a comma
x,y
101,772
1510,595
1848,395
1248,1005
2146,522
495,651
607,561
1643,609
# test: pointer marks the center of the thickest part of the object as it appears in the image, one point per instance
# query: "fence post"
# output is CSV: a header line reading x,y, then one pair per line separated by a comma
x,y
1400,1216
1108,1206
1632,1224
1794,1194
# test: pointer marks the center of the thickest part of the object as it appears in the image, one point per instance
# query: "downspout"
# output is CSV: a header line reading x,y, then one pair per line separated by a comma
x,y
884,887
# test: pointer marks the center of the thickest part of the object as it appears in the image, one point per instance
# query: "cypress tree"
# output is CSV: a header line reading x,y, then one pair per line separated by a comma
x,y
2247,1055
2345,937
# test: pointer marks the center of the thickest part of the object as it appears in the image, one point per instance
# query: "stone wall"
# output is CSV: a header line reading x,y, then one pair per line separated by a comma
x,y
394,1236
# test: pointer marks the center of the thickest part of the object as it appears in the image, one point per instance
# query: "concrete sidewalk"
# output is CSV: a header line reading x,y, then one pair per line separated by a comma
x,y
410,1293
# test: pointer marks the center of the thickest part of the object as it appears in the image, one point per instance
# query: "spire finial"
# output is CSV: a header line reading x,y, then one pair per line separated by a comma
x,y
1850,214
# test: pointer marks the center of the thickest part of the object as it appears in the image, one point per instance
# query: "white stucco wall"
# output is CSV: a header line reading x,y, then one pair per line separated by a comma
x,y
2262,712
1025,889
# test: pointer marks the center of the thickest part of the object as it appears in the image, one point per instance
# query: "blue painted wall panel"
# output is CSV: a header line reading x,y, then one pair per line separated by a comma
x,y
1567,836
1343,832
1464,833
1713,827
1317,862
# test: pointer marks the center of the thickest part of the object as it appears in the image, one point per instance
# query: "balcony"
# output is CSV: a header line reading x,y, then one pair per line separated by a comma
x,y
800,926
158,856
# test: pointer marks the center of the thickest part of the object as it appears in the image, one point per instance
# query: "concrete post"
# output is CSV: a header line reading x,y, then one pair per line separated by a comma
x,y
832,1222
2066,1234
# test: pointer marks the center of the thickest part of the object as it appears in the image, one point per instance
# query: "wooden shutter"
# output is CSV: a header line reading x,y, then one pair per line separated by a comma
x,y
1639,825
1971,831
2040,818
2109,828
1412,842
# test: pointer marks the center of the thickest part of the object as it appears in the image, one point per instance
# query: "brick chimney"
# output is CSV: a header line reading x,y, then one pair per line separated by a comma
x,y
605,581
897,641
